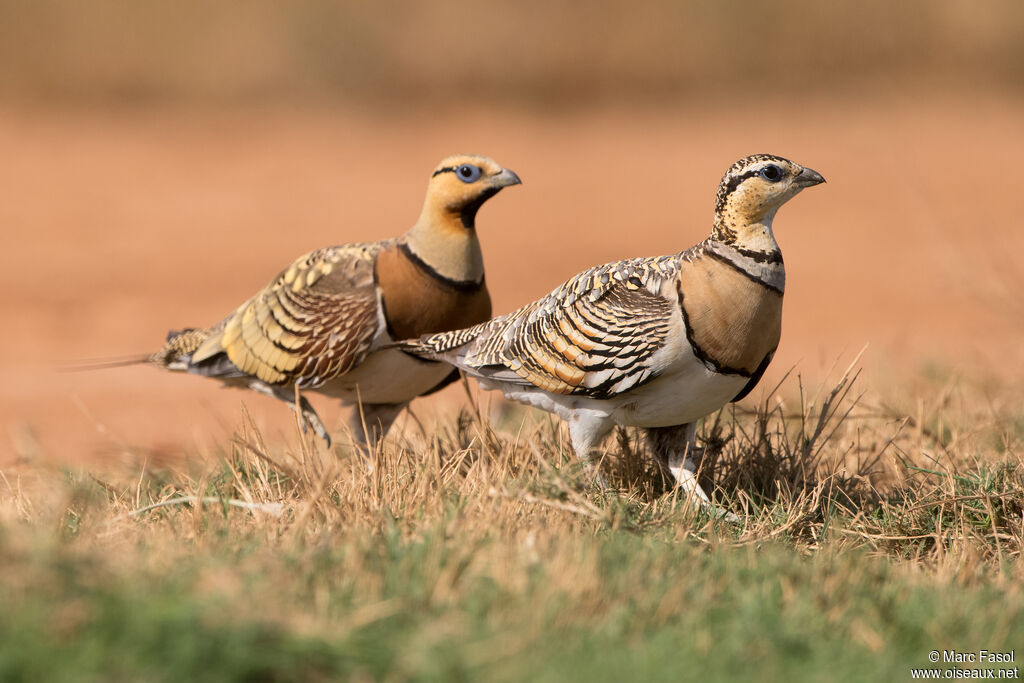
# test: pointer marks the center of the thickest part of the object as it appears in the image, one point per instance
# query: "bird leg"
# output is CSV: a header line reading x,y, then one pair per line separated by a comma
x,y
665,444
369,424
587,429
305,409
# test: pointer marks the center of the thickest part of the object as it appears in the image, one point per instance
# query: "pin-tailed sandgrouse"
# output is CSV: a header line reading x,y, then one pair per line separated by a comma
x,y
656,343
322,322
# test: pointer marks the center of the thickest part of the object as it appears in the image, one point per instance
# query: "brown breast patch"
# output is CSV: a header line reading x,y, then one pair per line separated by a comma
x,y
732,321
417,303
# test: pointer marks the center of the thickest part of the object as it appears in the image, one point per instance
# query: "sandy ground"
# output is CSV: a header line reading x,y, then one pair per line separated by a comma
x,y
121,225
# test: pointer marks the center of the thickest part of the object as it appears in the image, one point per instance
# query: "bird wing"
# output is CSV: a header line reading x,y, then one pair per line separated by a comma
x,y
315,321
593,336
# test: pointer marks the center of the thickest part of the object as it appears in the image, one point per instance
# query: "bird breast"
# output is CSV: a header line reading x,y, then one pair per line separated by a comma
x,y
418,301
732,320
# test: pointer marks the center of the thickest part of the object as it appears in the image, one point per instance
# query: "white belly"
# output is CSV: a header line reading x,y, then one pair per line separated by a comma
x,y
388,376
686,392
678,398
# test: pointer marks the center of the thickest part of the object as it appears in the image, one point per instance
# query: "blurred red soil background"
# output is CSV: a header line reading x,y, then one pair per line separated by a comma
x,y
142,192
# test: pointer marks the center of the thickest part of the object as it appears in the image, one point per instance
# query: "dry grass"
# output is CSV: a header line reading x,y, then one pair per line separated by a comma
x,y
461,551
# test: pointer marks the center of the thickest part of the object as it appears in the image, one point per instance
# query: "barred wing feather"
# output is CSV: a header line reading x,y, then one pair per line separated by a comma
x,y
313,322
593,336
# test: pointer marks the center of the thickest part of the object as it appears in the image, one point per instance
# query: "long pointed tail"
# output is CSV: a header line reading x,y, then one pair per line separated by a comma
x,y
175,355
105,363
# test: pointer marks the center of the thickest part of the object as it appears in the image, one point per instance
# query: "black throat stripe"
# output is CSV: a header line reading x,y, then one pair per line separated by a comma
x,y
467,213
467,286
739,269
759,256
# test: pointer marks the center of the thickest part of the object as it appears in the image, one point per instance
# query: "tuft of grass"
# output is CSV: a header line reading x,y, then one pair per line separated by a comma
x,y
481,551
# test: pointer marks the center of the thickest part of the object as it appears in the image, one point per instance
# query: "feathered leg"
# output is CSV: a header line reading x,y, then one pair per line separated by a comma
x,y
587,429
370,423
287,394
674,448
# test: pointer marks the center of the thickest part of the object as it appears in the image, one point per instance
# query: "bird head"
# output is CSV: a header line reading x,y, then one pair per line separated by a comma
x,y
461,184
754,188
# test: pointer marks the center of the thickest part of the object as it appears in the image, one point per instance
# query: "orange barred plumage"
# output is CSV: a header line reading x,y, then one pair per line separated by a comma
x,y
325,323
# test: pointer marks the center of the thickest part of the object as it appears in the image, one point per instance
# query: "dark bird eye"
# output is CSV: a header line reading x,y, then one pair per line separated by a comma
x,y
772,173
468,173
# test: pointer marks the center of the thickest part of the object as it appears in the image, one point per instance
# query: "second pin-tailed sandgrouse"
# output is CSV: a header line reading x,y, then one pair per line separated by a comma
x,y
656,343
321,324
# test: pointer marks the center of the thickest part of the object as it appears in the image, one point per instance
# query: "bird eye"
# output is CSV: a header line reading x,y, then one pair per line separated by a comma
x,y
771,173
468,173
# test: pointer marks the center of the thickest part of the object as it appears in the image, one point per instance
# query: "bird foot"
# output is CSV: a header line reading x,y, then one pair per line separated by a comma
x,y
310,420
313,422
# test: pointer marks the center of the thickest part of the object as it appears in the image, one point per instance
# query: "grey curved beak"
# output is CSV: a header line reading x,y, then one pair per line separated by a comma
x,y
505,178
809,177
